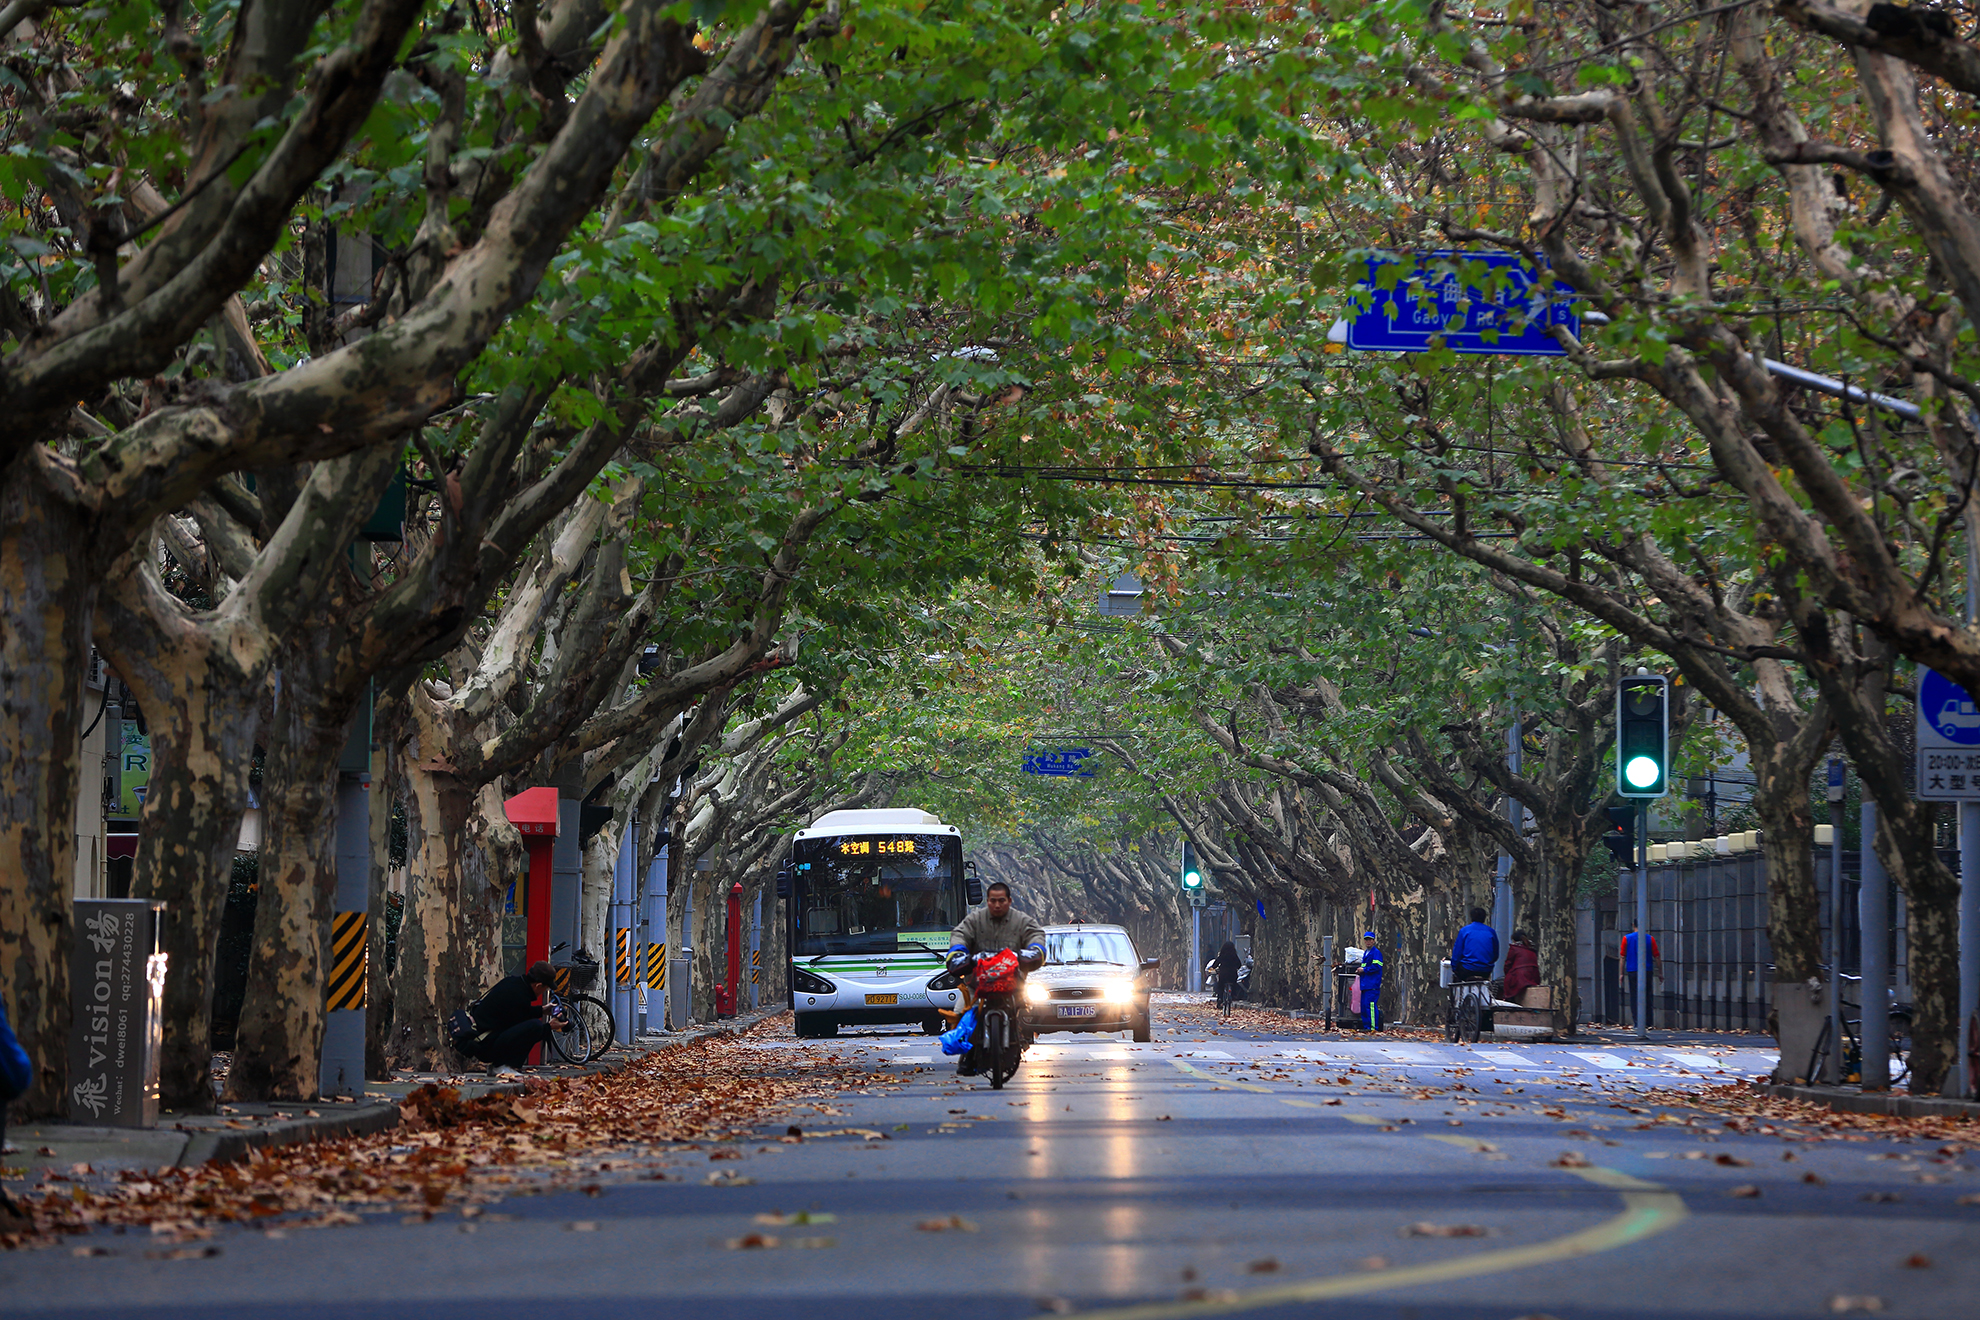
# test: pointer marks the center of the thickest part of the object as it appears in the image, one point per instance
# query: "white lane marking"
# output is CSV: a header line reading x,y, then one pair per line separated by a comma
x,y
1414,1056
1601,1060
1507,1056
1204,1054
1693,1060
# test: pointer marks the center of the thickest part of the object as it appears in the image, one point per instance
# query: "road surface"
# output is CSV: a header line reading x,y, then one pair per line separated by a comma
x,y
1200,1175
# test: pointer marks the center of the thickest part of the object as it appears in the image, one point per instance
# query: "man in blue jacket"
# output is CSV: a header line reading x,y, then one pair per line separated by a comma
x,y
16,1075
1475,950
1371,982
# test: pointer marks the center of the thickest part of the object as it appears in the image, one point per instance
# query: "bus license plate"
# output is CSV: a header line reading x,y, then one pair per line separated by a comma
x,y
1078,1010
883,999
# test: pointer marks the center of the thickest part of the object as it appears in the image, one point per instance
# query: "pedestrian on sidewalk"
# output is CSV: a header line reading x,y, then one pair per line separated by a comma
x,y
1631,942
16,1075
1370,983
1522,966
509,1023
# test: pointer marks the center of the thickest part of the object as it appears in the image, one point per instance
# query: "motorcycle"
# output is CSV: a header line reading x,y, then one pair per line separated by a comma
x,y
998,1042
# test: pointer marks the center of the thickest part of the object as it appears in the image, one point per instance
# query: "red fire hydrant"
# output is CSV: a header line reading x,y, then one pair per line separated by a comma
x,y
725,998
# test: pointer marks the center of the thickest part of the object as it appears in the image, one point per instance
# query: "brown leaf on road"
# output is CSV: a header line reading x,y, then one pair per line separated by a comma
x,y
954,1223
90,1251
582,1226
184,1253
1055,1306
1971,1198
1373,1263
1747,1190
1918,1260
1842,1304
1425,1229
723,1178
1814,1179
1570,1160
1265,1266
1882,1198
1732,1161
751,1242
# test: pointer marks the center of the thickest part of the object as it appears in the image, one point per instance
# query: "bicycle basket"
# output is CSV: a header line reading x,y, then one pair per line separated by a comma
x,y
582,974
998,974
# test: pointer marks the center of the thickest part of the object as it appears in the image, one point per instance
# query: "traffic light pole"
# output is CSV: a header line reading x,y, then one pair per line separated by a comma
x,y
1643,919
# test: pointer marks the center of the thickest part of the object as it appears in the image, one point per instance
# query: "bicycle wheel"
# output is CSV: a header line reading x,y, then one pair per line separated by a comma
x,y
1451,1023
594,1018
1818,1058
569,1042
1467,1021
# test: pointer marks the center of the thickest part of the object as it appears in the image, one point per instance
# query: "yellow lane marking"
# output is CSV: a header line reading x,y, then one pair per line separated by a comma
x,y
1300,1104
1370,1119
1221,1081
1647,1210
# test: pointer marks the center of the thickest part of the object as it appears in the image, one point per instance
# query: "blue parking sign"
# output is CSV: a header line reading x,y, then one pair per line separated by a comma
x,y
1474,302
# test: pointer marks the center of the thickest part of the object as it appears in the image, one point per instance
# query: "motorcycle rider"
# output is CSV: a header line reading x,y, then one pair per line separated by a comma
x,y
992,928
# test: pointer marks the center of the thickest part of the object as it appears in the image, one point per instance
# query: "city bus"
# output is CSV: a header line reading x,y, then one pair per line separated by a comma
x,y
870,898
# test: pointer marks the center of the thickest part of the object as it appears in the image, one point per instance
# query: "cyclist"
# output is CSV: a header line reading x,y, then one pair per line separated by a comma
x,y
992,928
1228,963
1475,950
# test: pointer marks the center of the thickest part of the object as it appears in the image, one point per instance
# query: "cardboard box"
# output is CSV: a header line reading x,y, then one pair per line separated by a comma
x,y
1537,997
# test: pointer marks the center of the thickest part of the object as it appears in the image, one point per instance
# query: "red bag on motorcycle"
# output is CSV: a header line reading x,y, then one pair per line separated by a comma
x,y
998,973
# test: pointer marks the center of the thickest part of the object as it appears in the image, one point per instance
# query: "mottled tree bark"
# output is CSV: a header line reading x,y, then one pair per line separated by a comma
x,y
47,595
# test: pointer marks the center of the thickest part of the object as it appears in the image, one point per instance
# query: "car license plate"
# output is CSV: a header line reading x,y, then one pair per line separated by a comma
x,y
1079,1010
883,999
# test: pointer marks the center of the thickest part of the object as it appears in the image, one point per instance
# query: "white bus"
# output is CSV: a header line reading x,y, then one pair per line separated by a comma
x,y
870,899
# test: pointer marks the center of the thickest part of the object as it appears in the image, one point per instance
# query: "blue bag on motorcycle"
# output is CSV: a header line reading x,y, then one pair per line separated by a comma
x,y
956,1041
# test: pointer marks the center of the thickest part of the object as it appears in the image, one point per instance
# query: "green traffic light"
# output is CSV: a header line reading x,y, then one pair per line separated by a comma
x,y
1642,771
1192,880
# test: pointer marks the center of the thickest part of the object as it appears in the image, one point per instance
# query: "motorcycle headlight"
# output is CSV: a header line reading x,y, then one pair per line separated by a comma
x,y
1036,992
1120,992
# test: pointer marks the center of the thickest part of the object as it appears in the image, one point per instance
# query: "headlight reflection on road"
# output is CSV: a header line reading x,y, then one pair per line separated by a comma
x,y
1103,1149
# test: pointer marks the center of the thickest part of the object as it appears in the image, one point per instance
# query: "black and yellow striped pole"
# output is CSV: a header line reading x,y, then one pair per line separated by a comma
x,y
344,988
624,963
340,1067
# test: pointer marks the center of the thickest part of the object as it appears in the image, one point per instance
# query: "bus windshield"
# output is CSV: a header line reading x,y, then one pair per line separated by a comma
x,y
876,894
1089,946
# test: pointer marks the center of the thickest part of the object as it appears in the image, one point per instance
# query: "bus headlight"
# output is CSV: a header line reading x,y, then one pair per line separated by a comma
x,y
810,982
1120,992
1036,992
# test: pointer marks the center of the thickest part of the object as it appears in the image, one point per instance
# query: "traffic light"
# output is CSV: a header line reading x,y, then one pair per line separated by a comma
x,y
1621,838
1643,725
1192,873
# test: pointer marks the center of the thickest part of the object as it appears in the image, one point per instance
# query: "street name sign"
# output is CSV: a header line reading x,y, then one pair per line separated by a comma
x,y
1948,740
1495,303
1065,762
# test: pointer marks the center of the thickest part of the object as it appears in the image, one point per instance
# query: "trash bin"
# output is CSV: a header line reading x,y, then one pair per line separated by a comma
x,y
117,980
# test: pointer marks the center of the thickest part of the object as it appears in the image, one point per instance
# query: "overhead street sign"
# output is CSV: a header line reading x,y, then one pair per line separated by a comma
x,y
1475,302
1067,762
1948,740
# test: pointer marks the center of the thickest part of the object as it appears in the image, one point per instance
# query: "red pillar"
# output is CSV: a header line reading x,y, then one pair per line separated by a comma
x,y
534,813
732,985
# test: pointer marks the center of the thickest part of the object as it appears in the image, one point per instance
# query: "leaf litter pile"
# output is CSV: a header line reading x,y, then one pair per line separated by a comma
x,y
694,1103
1747,1108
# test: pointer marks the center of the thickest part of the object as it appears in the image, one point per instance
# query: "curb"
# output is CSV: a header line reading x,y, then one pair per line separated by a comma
x,y
1857,1102
232,1145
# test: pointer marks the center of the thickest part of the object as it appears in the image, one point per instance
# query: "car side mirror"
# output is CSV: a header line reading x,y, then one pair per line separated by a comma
x,y
1150,964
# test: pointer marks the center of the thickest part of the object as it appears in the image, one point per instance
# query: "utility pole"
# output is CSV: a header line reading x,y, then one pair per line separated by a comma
x,y
626,959
1502,897
1643,944
1964,1066
1873,909
1838,790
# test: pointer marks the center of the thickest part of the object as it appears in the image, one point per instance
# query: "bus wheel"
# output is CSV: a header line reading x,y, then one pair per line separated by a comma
x,y
931,1026
811,1026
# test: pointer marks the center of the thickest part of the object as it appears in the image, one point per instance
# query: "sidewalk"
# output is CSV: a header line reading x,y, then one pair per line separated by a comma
x,y
70,1150
1854,1100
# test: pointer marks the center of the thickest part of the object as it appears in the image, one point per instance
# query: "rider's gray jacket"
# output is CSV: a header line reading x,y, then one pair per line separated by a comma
x,y
982,933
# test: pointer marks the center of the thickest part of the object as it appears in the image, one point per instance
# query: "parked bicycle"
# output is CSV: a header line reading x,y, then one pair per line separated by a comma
x,y
588,1033
1470,1001
1852,1054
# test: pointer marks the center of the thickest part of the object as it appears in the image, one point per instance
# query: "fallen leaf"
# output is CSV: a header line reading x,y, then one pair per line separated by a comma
x,y
1335,1102
1055,1305
1373,1262
582,1226
1265,1266
89,1251
814,1243
1814,1179
723,1178
1841,1304
1732,1161
1747,1190
1570,1160
1971,1198
953,1222
751,1242
1918,1260
1424,1229
184,1253
1882,1198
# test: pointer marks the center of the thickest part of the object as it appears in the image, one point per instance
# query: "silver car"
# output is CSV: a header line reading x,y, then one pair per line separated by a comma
x,y
1092,980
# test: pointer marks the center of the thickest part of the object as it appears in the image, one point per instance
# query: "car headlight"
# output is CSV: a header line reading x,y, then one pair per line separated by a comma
x,y
1120,992
1036,992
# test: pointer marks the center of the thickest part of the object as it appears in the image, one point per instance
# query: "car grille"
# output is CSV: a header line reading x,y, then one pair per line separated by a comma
x,y
1077,992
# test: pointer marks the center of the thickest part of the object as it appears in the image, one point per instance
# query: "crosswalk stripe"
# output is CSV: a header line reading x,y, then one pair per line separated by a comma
x,y
1601,1060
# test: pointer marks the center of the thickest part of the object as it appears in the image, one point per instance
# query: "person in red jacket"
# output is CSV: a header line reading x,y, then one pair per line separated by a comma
x,y
1522,966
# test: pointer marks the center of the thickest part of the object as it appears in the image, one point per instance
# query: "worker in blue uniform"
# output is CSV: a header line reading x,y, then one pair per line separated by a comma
x,y
1475,950
1371,982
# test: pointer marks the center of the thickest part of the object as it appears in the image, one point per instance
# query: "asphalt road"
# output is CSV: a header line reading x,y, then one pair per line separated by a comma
x,y
1201,1175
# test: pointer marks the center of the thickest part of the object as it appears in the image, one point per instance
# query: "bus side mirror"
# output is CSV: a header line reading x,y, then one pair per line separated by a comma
x,y
783,882
972,884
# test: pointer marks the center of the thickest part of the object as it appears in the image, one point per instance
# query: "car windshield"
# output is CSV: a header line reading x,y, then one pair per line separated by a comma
x,y
1089,946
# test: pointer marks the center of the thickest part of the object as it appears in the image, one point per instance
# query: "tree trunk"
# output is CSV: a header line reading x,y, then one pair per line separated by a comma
x,y
1794,912
461,855
278,1053
203,707
1548,904
47,597
385,783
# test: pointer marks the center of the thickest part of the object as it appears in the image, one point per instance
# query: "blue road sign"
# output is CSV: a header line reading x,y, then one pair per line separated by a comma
x,y
1475,302
1069,762
1948,709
